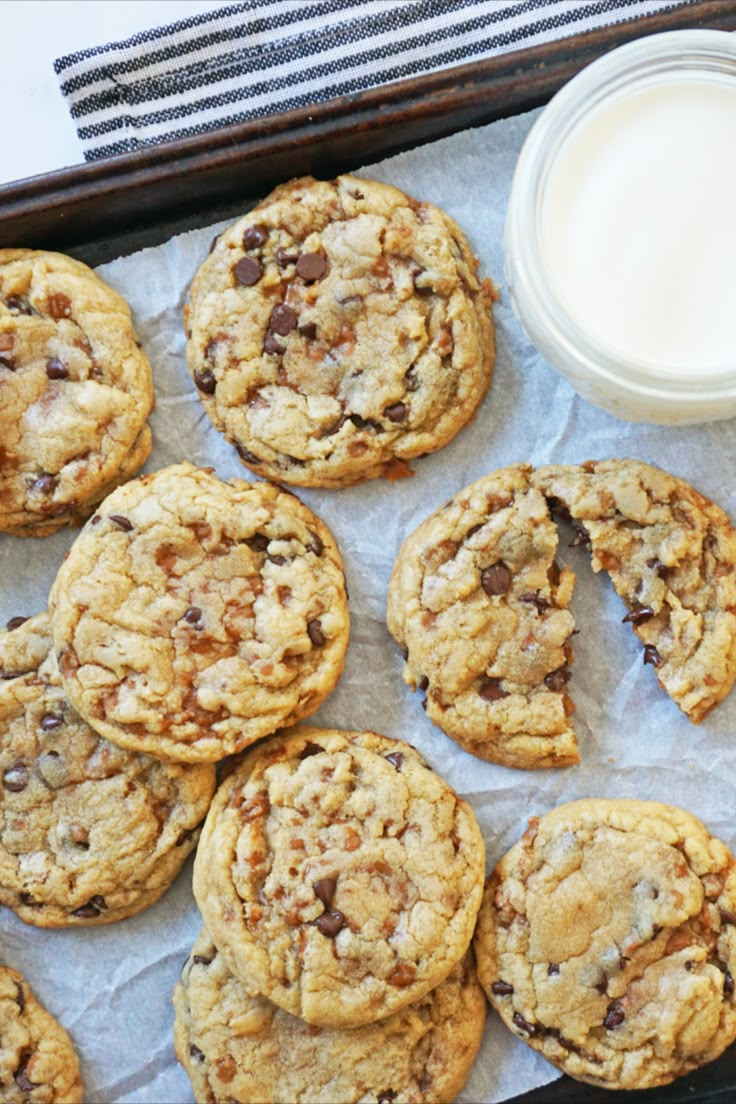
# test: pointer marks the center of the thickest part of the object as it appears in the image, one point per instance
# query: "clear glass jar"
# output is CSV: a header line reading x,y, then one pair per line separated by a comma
x,y
632,386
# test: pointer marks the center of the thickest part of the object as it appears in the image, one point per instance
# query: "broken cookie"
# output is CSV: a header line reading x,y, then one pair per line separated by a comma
x,y
478,606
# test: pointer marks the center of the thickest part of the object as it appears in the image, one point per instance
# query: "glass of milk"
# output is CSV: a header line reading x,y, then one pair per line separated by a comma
x,y
621,229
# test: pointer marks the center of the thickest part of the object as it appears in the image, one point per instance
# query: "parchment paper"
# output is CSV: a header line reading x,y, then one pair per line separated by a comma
x,y
111,986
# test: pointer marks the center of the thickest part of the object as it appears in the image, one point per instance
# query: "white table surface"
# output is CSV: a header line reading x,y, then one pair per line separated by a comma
x,y
38,131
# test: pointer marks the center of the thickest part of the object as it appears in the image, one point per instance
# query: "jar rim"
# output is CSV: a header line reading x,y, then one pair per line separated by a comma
x,y
696,53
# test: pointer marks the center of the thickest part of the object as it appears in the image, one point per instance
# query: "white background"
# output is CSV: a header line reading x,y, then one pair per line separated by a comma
x,y
38,131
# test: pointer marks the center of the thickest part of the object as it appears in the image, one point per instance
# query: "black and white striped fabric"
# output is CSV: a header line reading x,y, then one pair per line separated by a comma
x,y
253,59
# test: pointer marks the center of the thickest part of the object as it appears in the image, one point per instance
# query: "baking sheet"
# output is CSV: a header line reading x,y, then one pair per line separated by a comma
x,y
111,986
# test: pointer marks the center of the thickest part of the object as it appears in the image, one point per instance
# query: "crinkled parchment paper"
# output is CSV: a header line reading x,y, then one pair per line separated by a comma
x,y
111,987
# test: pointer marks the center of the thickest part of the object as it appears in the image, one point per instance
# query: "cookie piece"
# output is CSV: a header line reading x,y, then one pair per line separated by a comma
x,y
38,1064
478,606
339,875
75,392
671,555
237,1046
338,330
607,941
89,833
191,616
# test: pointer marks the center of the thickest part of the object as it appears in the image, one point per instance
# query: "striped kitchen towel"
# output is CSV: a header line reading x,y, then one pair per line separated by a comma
x,y
255,58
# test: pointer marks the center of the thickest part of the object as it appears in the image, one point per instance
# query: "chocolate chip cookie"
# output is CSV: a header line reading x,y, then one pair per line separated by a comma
x,y
237,1046
671,556
75,392
478,606
339,875
37,1060
607,941
89,833
338,330
191,616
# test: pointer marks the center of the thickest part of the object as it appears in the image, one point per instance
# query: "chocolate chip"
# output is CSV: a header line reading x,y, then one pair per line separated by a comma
x,y
615,1016
193,616
690,965
15,623
395,759
308,330
535,599
284,257
6,362
330,923
387,1096
423,683
258,542
728,985
315,634
56,370
316,544
205,381
201,960
245,454
18,303
638,615
195,1052
553,969
254,237
272,346
495,579
358,422
557,680
278,560
283,319
502,988
491,690
423,289
50,721
652,656
396,412
311,266
657,567
45,483
310,749
524,1025
248,271
123,523
15,778
325,890
93,908
21,1078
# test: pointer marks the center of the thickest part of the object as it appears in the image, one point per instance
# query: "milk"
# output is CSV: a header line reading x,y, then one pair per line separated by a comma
x,y
637,225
